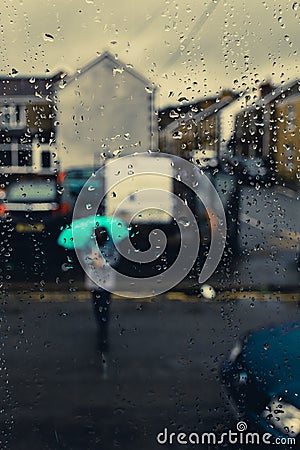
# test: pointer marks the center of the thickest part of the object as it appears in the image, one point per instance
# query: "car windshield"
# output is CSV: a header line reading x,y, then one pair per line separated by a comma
x,y
32,191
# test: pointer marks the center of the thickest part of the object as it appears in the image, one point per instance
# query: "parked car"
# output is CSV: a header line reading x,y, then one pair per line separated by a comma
x,y
73,182
262,378
31,215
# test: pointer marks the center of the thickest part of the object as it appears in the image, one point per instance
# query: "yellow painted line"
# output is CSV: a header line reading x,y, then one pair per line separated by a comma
x,y
260,296
48,297
84,296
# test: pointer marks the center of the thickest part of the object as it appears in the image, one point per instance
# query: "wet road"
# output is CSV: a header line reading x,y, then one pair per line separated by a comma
x,y
162,369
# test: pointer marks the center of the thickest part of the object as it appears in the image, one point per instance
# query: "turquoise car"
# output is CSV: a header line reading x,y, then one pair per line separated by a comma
x,y
262,376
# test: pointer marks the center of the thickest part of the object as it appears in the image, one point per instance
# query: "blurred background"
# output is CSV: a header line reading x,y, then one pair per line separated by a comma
x,y
82,84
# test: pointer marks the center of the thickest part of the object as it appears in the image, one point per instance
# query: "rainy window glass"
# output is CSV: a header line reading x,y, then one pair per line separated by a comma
x,y
149,224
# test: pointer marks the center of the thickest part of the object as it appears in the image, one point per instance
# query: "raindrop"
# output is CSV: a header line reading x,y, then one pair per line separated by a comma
x,y
184,221
62,84
177,135
48,37
207,291
173,114
266,346
88,206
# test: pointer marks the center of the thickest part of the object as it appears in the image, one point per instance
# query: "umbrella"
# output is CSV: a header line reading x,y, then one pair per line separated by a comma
x,y
81,231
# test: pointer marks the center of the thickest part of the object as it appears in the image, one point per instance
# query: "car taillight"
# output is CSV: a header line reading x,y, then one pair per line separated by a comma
x,y
3,210
60,177
61,210
64,208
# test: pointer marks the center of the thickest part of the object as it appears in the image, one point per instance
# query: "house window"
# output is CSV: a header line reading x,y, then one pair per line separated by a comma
x,y
290,119
12,116
5,156
24,155
289,163
45,159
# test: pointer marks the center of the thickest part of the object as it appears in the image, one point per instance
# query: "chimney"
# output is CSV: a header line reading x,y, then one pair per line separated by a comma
x,y
265,88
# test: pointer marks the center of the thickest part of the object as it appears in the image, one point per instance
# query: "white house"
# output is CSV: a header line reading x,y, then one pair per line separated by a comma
x,y
28,125
105,108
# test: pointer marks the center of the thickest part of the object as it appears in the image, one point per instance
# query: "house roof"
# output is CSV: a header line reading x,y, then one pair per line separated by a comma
x,y
280,91
117,63
203,114
278,94
193,108
28,86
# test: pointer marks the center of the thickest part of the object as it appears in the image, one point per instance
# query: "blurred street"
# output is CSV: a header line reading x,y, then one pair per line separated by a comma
x,y
268,235
163,366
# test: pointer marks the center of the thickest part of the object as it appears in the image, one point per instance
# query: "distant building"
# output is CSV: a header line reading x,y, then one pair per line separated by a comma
x,y
193,127
106,109
270,129
287,154
27,125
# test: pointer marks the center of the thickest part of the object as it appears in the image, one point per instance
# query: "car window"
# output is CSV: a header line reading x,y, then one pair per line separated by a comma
x,y
29,191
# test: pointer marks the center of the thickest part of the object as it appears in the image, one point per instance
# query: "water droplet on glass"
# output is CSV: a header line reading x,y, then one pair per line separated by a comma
x,y
207,291
48,37
173,114
184,221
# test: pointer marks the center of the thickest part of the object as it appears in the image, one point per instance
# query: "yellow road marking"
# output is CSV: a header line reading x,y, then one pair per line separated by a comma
x,y
84,296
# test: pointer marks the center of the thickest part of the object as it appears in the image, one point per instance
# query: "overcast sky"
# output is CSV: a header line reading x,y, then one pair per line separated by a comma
x,y
188,48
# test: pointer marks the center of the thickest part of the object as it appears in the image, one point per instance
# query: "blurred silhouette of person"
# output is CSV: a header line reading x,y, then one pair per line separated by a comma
x,y
99,254
93,238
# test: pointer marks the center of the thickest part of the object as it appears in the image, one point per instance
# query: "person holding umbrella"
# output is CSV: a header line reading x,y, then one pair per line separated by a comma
x,y
94,239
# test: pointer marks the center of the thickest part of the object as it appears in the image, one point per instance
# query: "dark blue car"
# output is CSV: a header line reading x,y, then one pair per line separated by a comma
x,y
262,376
